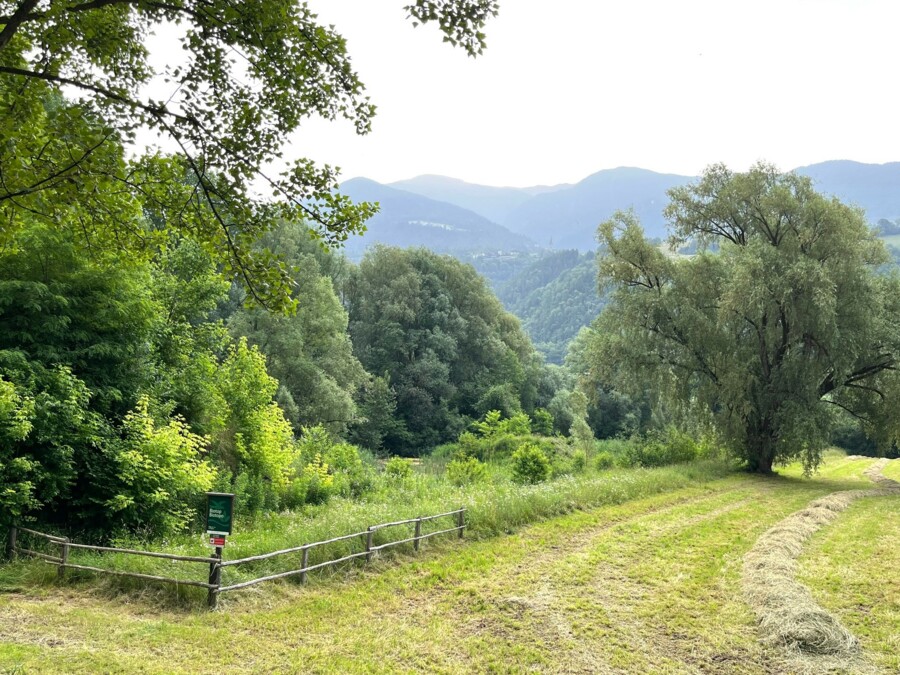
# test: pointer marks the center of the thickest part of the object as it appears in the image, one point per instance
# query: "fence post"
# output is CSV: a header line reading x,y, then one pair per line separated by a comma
x,y
461,521
11,543
61,570
304,563
215,578
418,533
369,533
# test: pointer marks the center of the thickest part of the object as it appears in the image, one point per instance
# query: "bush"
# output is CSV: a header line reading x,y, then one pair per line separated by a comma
x,y
530,464
660,449
542,422
161,473
352,477
579,461
314,485
466,471
604,461
398,468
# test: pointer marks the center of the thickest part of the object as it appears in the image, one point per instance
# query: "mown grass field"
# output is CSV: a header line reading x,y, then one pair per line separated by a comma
x,y
650,585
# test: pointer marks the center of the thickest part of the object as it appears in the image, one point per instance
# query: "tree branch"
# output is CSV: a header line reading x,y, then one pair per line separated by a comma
x,y
17,19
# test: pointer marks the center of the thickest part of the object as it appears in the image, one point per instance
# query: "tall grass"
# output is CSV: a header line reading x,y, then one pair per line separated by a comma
x,y
495,507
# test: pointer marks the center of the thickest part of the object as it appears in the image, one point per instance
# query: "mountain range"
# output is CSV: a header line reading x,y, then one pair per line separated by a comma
x,y
526,241
452,216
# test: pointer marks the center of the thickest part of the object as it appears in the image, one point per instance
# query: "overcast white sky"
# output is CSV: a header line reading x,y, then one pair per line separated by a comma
x,y
569,87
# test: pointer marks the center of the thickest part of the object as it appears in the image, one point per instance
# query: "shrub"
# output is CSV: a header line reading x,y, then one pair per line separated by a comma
x,y
492,425
352,477
466,471
660,449
161,473
398,468
604,461
530,464
315,483
542,422
579,461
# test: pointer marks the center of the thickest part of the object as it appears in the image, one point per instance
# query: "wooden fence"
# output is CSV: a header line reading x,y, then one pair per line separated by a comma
x,y
216,564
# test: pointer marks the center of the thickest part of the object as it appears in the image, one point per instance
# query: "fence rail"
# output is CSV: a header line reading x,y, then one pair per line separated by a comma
x,y
214,584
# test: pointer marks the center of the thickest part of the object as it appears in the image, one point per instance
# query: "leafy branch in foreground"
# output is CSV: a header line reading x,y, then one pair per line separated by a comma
x,y
248,75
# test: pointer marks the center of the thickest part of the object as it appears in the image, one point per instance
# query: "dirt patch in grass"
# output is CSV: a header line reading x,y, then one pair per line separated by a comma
x,y
788,615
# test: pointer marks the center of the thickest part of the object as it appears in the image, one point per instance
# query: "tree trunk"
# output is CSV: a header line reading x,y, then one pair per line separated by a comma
x,y
761,439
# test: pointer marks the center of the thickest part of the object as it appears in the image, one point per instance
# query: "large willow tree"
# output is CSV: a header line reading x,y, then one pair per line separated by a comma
x,y
785,316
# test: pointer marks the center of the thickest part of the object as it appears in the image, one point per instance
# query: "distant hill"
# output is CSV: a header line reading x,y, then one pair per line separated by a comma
x,y
568,218
554,297
494,203
875,187
408,219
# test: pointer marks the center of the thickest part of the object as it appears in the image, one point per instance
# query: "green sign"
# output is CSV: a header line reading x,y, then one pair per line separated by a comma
x,y
219,512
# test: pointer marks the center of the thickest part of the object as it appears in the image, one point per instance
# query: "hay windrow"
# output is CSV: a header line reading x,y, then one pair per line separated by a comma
x,y
787,613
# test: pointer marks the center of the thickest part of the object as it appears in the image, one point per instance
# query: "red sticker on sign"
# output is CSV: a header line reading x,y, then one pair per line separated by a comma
x,y
216,541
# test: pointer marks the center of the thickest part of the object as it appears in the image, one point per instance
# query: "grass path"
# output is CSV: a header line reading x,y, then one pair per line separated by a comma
x,y
647,586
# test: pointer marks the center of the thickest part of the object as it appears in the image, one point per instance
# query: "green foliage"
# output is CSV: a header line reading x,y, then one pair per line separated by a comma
x,y
48,436
59,308
580,431
308,352
315,483
787,321
378,419
351,476
660,449
493,425
501,397
161,475
542,422
579,461
555,297
431,325
17,480
463,471
530,464
398,468
609,413
255,436
604,460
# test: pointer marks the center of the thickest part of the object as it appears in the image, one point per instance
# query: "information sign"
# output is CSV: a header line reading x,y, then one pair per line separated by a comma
x,y
219,512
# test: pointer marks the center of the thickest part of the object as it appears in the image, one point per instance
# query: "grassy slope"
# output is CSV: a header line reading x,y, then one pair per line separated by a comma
x,y
649,585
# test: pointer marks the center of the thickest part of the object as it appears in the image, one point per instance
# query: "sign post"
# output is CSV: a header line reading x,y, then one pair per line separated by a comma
x,y
219,521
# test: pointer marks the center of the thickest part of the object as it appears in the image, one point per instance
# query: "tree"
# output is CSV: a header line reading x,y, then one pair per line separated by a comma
x,y
432,326
788,320
248,75
309,352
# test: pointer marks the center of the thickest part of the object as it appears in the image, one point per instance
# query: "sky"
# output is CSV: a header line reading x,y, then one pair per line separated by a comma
x,y
570,87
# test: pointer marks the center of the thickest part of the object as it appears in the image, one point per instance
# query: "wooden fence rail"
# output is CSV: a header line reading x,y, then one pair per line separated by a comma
x,y
216,564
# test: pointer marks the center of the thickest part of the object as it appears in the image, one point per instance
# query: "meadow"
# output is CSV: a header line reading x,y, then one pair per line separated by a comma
x,y
643,576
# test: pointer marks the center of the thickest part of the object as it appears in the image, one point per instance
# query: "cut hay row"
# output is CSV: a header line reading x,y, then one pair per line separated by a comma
x,y
787,613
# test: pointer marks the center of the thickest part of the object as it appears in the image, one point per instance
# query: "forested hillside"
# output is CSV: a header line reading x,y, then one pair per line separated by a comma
x,y
554,297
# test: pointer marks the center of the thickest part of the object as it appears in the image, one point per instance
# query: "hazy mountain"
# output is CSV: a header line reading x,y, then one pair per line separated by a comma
x,y
494,203
568,218
875,187
408,219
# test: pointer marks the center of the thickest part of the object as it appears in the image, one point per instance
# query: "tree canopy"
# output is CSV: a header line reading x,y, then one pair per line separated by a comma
x,y
450,351
782,318
248,75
